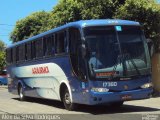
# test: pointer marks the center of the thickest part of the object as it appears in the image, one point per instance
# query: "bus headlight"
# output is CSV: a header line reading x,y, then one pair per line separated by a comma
x,y
100,89
147,85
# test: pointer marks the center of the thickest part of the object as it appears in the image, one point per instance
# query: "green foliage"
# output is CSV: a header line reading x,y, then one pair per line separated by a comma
x,y
2,45
65,11
2,60
95,9
30,26
2,55
73,10
147,12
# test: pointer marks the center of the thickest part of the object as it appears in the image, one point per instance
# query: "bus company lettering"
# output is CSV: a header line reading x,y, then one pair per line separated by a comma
x,y
40,70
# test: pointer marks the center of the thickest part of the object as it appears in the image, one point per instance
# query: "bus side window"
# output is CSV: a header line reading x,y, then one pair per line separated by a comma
x,y
21,52
14,55
53,45
66,44
60,43
25,51
33,50
50,46
55,42
17,54
44,45
39,48
28,51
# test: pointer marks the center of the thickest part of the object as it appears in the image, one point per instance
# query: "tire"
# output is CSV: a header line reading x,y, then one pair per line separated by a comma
x,y
21,93
117,104
0,83
67,101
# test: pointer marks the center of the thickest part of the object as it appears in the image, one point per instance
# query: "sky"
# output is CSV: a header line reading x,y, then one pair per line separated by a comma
x,y
13,10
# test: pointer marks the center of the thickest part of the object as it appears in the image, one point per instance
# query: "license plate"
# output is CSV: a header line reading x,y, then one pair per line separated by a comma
x,y
126,97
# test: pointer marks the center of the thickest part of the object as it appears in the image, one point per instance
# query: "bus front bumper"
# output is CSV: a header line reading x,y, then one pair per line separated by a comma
x,y
109,97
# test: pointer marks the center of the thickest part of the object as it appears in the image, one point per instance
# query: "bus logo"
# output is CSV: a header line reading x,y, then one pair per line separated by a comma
x,y
40,70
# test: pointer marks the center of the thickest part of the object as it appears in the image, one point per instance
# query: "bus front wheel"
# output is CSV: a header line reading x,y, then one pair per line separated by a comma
x,y
67,101
21,93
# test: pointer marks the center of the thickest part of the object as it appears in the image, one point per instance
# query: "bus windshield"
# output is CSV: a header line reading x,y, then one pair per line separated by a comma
x,y
116,51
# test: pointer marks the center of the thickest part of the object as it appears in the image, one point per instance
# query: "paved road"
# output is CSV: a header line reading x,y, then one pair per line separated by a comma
x,y
132,110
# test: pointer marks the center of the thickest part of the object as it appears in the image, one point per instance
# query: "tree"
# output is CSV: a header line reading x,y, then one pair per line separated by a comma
x,y
147,12
65,11
98,9
30,26
2,55
73,10
2,45
2,60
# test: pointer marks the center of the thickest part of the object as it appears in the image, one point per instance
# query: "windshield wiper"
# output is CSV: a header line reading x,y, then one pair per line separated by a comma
x,y
119,59
113,71
128,57
135,66
122,60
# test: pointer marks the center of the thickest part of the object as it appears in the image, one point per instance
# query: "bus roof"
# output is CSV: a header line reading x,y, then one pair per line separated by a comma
x,y
80,24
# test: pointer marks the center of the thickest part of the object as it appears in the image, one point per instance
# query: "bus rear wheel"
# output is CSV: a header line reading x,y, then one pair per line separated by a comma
x,y
67,101
21,93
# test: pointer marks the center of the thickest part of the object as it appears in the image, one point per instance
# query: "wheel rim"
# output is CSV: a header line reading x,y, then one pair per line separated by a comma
x,y
67,98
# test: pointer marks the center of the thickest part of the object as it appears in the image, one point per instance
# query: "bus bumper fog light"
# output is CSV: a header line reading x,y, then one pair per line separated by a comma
x,y
99,89
147,85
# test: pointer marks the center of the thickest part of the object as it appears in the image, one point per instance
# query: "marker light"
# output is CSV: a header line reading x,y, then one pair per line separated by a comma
x,y
99,89
147,85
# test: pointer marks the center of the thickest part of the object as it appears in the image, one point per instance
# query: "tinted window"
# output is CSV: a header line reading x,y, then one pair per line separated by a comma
x,y
50,50
14,54
22,52
60,42
39,48
17,53
33,49
28,51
